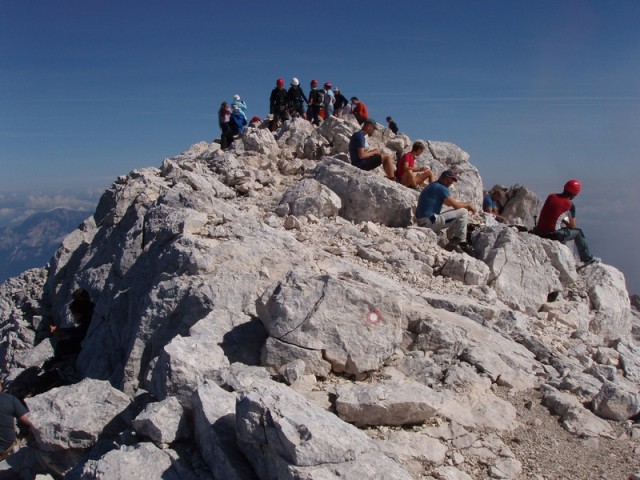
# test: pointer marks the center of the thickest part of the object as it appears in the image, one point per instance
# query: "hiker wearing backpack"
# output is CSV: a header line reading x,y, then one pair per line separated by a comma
x,y
329,100
558,221
242,105
237,121
278,105
316,102
296,99
359,110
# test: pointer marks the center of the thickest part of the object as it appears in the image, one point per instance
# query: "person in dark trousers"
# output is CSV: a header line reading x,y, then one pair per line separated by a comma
x,y
226,136
10,409
296,99
316,101
392,125
558,221
278,105
369,159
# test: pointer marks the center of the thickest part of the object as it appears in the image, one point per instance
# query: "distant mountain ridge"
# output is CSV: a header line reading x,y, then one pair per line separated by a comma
x,y
32,243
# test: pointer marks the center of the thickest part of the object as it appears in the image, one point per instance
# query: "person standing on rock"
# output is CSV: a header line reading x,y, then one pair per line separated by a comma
x,y
558,221
278,105
224,114
341,104
408,174
428,212
366,159
329,100
296,99
316,102
10,408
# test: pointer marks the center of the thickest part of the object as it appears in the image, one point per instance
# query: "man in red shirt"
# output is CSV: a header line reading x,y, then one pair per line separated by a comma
x,y
359,110
558,220
406,172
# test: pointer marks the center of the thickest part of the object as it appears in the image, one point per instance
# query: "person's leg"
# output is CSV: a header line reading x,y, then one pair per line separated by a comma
x,y
389,165
456,224
421,177
578,237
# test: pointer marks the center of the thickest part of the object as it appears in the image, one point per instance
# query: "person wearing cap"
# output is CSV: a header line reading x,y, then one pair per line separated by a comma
x,y
490,203
278,105
241,104
408,174
359,110
329,100
341,103
296,99
366,159
558,221
429,211
10,409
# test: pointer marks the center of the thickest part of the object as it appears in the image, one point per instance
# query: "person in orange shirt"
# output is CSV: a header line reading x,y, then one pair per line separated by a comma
x,y
359,110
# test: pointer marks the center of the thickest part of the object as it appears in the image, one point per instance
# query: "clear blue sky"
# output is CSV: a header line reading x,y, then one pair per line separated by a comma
x,y
536,91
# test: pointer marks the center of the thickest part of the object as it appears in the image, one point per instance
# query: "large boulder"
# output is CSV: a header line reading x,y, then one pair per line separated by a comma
x,y
524,268
354,323
366,196
74,417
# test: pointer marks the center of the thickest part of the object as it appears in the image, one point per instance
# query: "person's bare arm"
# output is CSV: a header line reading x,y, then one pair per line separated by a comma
x,y
25,419
452,202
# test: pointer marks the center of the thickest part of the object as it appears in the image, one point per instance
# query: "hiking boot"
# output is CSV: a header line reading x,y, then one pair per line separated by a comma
x,y
591,260
453,245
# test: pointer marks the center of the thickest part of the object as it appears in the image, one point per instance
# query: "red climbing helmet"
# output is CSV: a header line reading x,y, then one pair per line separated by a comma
x,y
280,82
314,83
327,84
573,187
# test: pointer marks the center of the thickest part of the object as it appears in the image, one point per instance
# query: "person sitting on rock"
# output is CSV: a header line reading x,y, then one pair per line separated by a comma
x,y
558,221
359,110
61,368
366,159
491,202
428,212
10,409
406,172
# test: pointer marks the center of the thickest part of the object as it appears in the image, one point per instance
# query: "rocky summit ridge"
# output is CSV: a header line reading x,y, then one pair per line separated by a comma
x,y
270,311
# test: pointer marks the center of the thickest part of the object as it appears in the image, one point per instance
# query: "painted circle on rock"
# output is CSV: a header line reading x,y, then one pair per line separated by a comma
x,y
374,316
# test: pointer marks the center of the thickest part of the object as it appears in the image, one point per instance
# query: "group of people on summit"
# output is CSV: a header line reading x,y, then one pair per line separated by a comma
x,y
557,219
320,103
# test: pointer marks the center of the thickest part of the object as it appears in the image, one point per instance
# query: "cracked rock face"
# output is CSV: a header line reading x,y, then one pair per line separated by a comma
x,y
275,313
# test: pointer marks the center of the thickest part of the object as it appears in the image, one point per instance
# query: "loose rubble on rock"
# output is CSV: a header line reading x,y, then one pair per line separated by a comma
x,y
270,311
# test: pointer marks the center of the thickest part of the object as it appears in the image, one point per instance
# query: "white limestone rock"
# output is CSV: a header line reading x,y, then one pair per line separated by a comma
x,y
366,196
354,324
162,422
386,403
74,416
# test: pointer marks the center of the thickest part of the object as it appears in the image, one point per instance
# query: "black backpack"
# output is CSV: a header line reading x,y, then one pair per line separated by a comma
x,y
318,97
